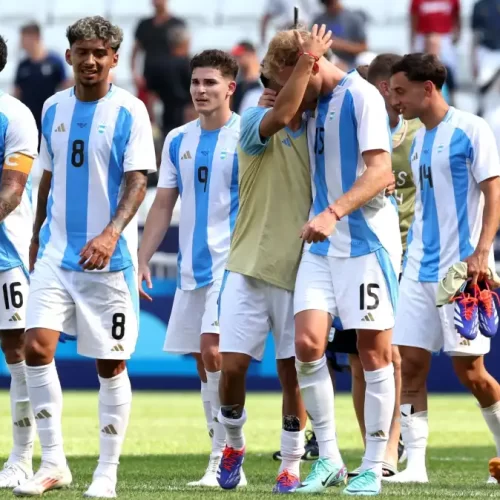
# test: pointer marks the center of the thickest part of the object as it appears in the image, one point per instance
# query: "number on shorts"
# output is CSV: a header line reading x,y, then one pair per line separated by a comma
x,y
77,153
203,177
118,328
12,297
370,293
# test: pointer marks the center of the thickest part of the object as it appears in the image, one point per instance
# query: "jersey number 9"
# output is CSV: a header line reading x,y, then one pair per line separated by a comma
x,y
78,153
203,177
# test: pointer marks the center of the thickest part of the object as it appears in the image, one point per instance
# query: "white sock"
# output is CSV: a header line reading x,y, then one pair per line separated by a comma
x,y
45,394
492,417
115,401
380,398
415,432
23,420
292,449
219,434
317,392
207,408
234,429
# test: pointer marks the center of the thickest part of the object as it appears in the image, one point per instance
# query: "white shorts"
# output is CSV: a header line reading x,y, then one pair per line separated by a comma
x,y
249,310
419,323
194,312
361,291
14,289
100,309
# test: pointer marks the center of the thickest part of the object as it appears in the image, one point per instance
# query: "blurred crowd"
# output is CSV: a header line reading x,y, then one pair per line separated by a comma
x,y
161,53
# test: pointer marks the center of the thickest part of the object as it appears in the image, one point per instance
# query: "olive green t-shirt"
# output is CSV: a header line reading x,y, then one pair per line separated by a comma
x,y
275,199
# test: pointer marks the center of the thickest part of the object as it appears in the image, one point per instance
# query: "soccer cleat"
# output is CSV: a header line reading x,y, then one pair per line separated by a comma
x,y
101,487
286,482
209,479
466,315
366,483
324,473
408,476
487,311
402,455
311,450
12,475
492,480
48,477
494,467
229,471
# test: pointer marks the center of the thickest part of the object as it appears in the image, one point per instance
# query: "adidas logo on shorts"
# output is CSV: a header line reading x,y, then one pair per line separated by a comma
x,y
368,317
16,317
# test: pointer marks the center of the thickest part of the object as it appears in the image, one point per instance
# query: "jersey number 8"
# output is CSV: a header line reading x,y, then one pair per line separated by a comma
x,y
78,153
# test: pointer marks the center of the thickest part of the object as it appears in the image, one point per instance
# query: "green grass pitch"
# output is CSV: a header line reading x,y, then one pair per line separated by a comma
x,y
167,446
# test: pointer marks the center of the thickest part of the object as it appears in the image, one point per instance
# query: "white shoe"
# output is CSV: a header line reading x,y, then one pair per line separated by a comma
x,y
491,480
408,476
15,474
243,480
101,487
209,479
48,477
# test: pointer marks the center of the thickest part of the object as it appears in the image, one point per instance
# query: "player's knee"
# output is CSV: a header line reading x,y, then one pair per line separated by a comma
x,y
234,365
211,358
12,344
374,359
412,370
472,377
37,353
307,348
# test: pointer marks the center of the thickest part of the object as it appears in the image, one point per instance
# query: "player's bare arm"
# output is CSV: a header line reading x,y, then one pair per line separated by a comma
x,y
290,97
11,191
157,224
376,178
477,263
41,214
98,251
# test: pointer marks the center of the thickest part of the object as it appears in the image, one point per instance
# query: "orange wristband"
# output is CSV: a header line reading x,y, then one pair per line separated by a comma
x,y
316,59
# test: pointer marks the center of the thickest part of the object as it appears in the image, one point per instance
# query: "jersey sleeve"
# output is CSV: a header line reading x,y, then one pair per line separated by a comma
x,y
169,160
371,118
140,150
251,141
485,162
21,141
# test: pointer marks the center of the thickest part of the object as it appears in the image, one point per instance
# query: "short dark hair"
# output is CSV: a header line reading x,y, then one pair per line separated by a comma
x,y
363,71
3,53
217,59
421,68
96,27
32,28
381,67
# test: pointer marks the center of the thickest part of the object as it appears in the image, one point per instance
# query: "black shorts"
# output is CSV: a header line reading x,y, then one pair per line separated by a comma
x,y
344,342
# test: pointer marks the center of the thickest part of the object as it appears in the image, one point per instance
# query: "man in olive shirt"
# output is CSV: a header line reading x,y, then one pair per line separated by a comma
x,y
257,294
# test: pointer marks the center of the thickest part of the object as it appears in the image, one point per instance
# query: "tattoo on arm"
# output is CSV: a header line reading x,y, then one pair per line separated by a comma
x,y
133,196
41,205
11,191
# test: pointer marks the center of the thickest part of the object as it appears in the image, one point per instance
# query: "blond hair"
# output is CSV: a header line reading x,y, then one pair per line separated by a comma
x,y
283,51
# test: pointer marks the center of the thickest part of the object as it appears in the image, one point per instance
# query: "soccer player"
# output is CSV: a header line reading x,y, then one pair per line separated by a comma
x,y
352,259
257,294
200,163
455,163
96,149
18,148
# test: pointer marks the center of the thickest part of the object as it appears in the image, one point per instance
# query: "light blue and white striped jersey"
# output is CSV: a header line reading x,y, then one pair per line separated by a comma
x,y
18,135
203,165
448,163
350,120
89,147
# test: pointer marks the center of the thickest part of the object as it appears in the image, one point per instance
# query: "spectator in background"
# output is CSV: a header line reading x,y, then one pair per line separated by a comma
x,y
486,50
433,46
40,75
152,39
282,11
441,17
249,86
348,28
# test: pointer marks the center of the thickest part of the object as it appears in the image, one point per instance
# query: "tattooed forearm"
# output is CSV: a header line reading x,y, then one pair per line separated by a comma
x,y
11,191
133,196
41,204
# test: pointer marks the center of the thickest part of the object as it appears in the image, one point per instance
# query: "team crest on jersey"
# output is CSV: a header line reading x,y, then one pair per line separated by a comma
x,y
332,115
223,154
440,148
101,128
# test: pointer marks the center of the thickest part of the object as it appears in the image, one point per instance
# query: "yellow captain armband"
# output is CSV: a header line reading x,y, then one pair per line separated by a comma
x,y
18,162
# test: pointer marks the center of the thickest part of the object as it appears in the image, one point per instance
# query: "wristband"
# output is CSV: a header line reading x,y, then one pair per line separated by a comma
x,y
332,211
316,59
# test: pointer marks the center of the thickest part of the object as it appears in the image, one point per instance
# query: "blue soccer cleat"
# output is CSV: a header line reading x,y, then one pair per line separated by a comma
x,y
229,472
286,483
324,473
367,483
487,311
466,316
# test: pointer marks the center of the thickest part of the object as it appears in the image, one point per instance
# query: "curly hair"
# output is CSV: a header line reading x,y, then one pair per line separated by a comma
x,y
421,68
96,27
283,51
3,53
